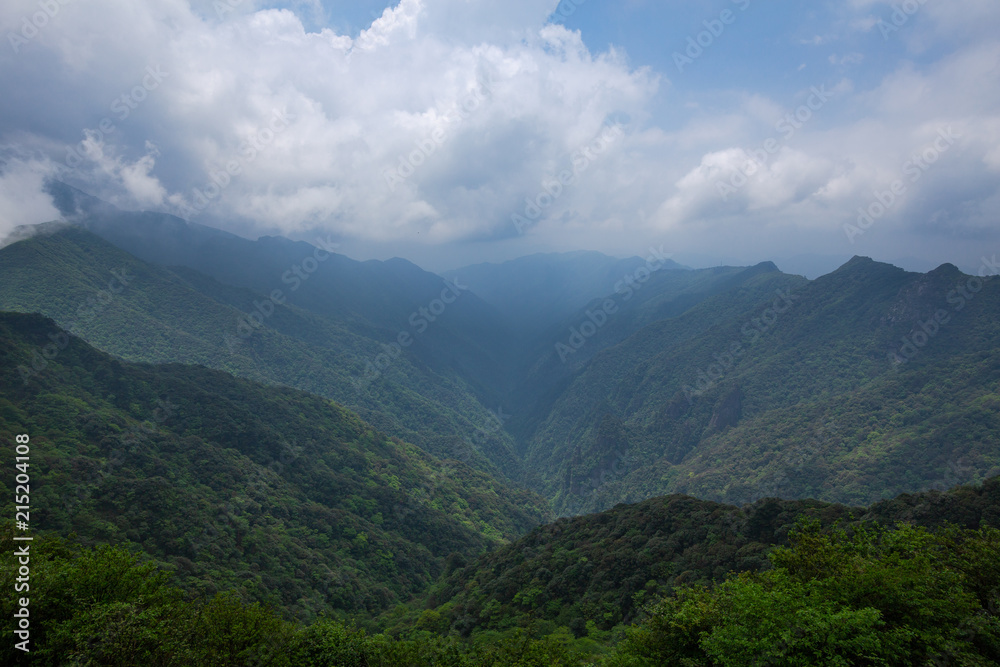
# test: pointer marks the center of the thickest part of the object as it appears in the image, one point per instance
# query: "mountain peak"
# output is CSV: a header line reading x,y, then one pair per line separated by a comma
x,y
861,265
73,203
755,270
946,270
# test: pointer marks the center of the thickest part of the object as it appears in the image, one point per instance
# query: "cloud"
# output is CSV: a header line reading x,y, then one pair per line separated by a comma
x,y
21,196
360,108
847,59
854,148
442,120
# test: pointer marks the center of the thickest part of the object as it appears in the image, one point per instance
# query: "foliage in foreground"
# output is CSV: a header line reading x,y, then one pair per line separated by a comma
x,y
105,606
877,597
593,573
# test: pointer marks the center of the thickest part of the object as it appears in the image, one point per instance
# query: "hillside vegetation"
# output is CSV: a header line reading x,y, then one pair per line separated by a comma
x,y
868,594
285,496
243,458
178,315
729,384
787,388
595,572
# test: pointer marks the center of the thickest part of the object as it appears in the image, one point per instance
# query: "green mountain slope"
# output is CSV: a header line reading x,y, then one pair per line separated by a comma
x,y
869,595
536,292
791,388
553,360
593,572
729,384
926,591
179,315
452,331
281,494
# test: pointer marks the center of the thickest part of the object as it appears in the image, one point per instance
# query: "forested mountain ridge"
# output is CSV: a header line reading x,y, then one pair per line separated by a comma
x,y
860,385
911,581
179,315
730,384
565,350
450,329
282,495
591,573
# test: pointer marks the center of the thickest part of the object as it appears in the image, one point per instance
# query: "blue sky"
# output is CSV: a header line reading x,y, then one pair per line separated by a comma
x,y
774,48
438,130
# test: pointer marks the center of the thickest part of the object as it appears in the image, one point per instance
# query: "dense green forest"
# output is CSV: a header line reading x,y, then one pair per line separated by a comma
x,y
868,590
787,388
730,384
283,495
456,334
754,451
104,606
593,573
182,316
191,518
873,597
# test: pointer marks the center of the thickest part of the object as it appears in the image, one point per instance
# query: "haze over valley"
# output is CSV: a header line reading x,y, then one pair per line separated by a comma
x,y
478,334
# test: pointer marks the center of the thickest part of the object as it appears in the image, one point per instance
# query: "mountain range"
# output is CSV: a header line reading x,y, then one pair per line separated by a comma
x,y
296,440
589,379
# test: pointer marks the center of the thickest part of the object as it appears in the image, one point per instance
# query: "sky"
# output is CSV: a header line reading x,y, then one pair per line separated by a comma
x,y
456,131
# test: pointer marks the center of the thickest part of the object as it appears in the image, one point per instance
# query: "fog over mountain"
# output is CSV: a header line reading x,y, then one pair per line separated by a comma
x,y
452,132
500,334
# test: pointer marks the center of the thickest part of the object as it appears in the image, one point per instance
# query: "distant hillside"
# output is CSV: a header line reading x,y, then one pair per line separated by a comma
x,y
555,357
594,572
454,333
917,593
591,380
179,315
787,388
281,494
536,292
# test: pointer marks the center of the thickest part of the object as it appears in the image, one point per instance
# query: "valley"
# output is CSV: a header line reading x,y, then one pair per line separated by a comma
x,y
463,333
391,448
689,381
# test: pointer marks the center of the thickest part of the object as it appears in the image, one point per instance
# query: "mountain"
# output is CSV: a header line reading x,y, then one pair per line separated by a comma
x,y
562,351
155,314
283,495
591,573
860,385
440,323
534,293
812,266
914,580
591,380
